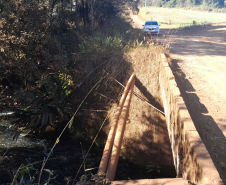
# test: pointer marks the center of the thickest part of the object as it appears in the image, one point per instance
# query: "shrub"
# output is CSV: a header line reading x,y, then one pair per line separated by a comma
x,y
28,46
47,108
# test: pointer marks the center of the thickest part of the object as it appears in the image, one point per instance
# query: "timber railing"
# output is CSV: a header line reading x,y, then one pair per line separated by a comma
x,y
109,161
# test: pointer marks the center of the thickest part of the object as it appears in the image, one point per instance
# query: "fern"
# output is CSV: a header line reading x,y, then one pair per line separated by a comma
x,y
45,109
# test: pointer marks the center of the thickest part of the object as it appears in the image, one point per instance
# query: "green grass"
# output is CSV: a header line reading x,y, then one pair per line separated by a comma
x,y
175,18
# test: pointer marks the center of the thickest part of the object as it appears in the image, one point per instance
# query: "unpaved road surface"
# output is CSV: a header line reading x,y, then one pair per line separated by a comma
x,y
199,65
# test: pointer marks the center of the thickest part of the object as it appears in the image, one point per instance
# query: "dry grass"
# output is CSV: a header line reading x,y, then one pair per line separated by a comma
x,y
146,139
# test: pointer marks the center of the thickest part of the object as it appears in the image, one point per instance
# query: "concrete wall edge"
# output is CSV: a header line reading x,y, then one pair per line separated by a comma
x,y
191,158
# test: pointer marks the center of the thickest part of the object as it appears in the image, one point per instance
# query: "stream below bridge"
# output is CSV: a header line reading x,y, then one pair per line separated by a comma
x,y
64,161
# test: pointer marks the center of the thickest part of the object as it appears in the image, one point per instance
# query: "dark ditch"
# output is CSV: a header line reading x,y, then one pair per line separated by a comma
x,y
64,162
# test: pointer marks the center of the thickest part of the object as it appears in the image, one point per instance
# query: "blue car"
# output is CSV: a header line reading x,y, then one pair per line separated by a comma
x,y
151,27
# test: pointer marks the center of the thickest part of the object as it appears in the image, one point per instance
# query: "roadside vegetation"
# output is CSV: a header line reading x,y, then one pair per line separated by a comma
x,y
59,62
51,63
47,56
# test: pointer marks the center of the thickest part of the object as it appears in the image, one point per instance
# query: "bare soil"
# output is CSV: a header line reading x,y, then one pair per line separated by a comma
x,y
198,60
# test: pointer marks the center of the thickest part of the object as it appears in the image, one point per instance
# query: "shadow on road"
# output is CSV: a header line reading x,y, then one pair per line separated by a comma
x,y
198,41
211,135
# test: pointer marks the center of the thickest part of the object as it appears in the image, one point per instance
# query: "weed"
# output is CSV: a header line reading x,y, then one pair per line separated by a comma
x,y
26,175
195,26
153,167
82,48
46,108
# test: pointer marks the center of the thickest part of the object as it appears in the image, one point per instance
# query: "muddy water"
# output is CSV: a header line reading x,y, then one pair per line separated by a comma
x,y
64,161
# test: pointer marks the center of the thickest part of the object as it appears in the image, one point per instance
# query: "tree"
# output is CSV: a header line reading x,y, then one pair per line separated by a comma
x,y
92,4
28,47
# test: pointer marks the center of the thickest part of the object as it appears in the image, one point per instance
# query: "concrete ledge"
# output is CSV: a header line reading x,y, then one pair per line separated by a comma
x,y
176,181
191,159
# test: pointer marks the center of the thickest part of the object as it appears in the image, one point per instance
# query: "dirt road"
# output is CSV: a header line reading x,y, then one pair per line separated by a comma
x,y
199,64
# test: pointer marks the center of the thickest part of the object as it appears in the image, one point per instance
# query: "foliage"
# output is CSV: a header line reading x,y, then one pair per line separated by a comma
x,y
26,175
33,42
48,108
105,42
153,167
23,172
195,27
28,47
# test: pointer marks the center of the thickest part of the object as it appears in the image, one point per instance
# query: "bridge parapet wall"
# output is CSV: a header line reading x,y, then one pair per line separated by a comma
x,y
191,158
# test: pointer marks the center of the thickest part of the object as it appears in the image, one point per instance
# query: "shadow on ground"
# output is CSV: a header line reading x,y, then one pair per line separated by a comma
x,y
206,40
210,133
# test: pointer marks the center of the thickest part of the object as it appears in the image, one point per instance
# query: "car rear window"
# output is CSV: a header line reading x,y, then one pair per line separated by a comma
x,y
151,23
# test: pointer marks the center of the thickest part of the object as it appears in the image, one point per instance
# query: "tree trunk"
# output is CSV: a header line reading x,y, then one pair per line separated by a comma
x,y
52,4
92,3
87,13
76,8
83,13
71,5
